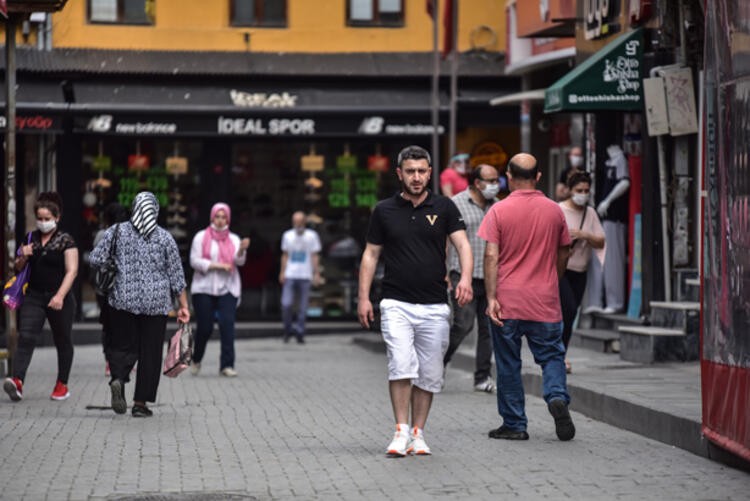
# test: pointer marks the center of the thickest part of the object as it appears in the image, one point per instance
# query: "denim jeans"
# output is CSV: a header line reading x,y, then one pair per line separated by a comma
x,y
463,322
299,289
223,309
545,342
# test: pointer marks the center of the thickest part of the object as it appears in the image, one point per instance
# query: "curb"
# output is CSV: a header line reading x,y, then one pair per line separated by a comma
x,y
664,427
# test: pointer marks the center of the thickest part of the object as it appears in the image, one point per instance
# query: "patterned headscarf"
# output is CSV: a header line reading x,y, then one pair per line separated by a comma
x,y
144,213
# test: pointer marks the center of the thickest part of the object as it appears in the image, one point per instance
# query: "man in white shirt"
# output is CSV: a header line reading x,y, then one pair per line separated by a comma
x,y
300,268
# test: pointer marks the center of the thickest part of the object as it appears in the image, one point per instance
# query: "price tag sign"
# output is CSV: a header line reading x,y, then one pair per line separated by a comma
x,y
312,163
176,165
102,164
138,163
377,163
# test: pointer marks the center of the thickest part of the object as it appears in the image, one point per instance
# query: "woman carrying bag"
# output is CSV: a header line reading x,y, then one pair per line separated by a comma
x,y
215,255
52,257
149,277
587,233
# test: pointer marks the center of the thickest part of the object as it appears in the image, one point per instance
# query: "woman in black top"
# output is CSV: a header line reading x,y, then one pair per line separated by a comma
x,y
53,258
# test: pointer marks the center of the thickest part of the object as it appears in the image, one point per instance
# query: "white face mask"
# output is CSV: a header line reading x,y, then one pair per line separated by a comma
x,y
576,160
580,199
46,226
491,191
218,228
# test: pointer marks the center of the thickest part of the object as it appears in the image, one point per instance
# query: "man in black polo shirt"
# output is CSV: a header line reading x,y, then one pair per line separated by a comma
x,y
410,230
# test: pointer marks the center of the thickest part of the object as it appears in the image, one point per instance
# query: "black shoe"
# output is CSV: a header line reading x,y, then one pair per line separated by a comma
x,y
563,423
508,434
300,340
119,405
141,411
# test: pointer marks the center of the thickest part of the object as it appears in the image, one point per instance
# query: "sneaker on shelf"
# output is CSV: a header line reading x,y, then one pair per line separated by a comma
x,y
563,422
60,392
487,386
14,388
195,368
228,372
417,445
397,447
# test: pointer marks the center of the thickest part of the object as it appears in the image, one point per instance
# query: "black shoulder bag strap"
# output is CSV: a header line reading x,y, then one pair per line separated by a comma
x,y
583,218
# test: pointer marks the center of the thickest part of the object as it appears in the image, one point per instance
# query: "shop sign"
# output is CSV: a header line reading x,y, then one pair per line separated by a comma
x,y
229,126
31,123
600,18
376,125
138,162
104,124
262,99
176,166
490,153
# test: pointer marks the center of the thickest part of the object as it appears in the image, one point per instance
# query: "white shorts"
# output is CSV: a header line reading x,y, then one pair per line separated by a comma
x,y
416,337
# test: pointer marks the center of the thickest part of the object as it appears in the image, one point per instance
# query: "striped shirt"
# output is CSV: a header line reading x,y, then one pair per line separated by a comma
x,y
473,215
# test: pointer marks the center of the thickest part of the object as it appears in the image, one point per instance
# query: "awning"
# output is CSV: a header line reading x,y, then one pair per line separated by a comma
x,y
518,97
611,79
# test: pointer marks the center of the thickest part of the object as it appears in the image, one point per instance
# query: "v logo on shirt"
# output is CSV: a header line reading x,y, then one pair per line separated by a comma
x,y
432,218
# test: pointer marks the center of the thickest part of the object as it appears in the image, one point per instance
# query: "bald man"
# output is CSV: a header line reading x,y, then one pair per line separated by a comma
x,y
527,251
300,268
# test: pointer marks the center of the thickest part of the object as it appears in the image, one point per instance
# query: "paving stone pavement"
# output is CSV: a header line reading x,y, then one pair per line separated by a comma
x,y
311,422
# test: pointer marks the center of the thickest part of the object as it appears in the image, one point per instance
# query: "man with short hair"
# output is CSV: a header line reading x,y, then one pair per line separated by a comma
x,y
484,185
410,231
527,251
300,268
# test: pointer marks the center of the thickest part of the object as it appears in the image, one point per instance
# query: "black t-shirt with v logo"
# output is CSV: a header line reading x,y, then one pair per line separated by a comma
x,y
413,240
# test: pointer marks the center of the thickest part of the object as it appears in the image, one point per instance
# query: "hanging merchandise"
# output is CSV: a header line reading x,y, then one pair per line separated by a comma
x,y
312,163
378,162
176,166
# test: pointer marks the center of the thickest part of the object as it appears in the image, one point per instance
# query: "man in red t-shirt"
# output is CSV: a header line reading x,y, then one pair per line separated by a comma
x,y
454,179
527,250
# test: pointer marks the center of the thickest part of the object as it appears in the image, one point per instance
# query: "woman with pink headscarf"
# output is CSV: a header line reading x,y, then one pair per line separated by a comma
x,y
215,255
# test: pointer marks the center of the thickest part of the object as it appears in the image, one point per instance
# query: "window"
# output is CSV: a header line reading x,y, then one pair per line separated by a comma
x,y
121,11
268,13
375,12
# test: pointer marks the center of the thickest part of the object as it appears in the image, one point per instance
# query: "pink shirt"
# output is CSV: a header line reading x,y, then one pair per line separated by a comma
x,y
529,229
457,182
581,251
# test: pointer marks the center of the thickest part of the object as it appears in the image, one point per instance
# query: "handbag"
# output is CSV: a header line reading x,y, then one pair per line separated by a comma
x,y
15,288
104,276
180,351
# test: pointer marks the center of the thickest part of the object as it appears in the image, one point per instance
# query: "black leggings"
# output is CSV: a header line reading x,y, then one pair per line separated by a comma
x,y
572,285
136,338
31,318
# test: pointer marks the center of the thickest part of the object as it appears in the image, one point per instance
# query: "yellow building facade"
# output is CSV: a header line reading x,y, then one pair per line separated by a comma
x,y
318,26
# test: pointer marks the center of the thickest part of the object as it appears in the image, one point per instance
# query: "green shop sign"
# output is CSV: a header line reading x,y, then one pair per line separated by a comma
x,y
611,79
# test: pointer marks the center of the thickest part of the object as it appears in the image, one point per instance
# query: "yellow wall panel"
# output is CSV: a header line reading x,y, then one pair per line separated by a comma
x,y
312,26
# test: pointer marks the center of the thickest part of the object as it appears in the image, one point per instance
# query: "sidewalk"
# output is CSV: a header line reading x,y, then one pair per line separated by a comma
x,y
312,422
659,401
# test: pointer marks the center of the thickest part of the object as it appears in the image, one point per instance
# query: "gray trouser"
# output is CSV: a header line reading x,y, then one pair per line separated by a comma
x,y
301,289
463,322
606,284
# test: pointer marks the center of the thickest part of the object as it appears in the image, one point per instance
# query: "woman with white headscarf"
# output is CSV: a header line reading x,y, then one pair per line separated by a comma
x,y
149,277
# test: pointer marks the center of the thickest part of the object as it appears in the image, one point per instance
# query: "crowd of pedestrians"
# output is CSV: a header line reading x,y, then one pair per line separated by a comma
x,y
513,264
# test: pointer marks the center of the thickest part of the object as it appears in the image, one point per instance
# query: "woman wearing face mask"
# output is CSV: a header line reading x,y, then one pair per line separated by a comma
x,y
53,259
215,255
587,233
575,163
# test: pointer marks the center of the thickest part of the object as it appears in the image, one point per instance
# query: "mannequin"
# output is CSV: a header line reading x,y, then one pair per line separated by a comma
x,y
606,283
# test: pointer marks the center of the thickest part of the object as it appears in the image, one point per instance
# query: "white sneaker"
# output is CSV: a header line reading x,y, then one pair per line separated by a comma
x,y
417,444
592,309
228,372
195,368
610,310
397,447
487,386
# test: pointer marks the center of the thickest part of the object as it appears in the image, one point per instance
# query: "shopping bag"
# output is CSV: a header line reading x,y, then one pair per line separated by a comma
x,y
104,275
15,288
180,351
